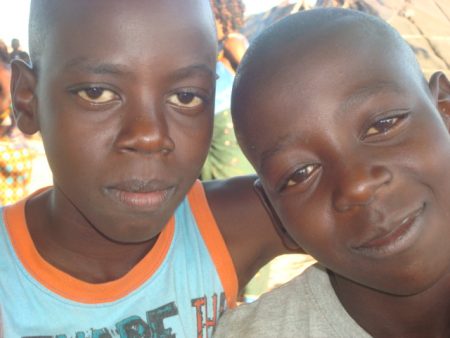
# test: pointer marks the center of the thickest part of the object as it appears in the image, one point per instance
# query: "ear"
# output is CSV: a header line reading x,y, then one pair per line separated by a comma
x,y
440,88
282,232
23,87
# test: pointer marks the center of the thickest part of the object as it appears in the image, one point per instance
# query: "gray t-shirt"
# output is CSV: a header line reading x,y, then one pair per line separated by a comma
x,y
307,306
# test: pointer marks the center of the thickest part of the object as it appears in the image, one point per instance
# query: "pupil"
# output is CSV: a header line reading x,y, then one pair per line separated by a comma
x,y
384,125
185,97
94,93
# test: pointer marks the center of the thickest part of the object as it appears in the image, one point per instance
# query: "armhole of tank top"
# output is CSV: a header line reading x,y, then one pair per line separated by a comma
x,y
214,242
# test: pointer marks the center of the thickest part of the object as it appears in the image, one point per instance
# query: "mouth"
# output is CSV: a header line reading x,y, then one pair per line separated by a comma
x,y
401,235
139,194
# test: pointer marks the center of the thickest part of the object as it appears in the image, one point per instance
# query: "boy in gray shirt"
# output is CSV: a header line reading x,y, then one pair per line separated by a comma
x,y
352,147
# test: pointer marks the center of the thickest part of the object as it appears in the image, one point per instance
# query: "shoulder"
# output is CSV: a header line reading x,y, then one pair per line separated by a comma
x,y
284,309
307,306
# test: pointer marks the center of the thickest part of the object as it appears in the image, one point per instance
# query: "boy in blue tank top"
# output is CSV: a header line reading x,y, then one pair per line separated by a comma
x,y
126,243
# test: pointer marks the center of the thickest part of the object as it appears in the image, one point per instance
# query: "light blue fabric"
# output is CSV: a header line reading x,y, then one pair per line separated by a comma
x,y
224,85
169,304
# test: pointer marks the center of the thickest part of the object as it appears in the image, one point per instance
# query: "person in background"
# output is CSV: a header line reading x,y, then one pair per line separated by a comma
x,y
15,155
229,17
225,158
18,53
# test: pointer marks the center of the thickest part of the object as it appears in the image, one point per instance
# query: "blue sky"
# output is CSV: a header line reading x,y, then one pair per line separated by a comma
x,y
14,17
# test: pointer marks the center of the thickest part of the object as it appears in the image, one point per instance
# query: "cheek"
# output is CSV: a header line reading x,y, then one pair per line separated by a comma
x,y
74,148
428,158
74,159
192,139
309,226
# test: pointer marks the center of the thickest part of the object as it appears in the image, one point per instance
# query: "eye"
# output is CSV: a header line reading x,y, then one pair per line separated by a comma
x,y
186,100
300,176
97,95
384,125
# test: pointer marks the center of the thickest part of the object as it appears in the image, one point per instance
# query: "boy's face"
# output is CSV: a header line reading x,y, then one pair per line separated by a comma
x,y
355,158
125,98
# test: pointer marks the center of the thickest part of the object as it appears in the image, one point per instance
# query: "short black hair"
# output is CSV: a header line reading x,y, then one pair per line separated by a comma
x,y
38,27
286,35
287,31
292,27
41,22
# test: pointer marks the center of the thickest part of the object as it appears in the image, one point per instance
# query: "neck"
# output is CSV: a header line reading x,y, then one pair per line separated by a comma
x,y
426,314
68,242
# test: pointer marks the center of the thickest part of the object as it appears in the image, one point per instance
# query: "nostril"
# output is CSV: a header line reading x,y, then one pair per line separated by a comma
x,y
144,134
168,146
382,174
359,188
340,204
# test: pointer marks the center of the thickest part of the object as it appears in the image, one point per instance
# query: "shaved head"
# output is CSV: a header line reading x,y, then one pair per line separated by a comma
x,y
41,19
323,32
44,16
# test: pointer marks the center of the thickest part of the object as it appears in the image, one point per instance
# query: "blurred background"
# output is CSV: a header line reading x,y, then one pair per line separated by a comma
x,y
425,24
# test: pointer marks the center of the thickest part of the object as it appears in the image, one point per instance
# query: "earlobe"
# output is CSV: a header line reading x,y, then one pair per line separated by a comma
x,y
23,86
440,88
282,232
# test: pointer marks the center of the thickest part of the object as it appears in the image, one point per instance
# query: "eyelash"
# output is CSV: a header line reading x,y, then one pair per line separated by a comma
x,y
78,91
82,92
397,119
312,168
309,169
195,95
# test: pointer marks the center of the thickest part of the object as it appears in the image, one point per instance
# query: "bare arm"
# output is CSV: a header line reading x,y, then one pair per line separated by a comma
x,y
234,48
245,225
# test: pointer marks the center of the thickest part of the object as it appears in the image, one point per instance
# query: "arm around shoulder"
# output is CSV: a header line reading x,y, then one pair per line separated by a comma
x,y
246,226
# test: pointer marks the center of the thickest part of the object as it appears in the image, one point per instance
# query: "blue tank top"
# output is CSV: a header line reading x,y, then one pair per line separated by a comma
x,y
179,289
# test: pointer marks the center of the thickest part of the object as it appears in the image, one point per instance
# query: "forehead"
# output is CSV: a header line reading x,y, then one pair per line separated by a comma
x,y
310,85
135,30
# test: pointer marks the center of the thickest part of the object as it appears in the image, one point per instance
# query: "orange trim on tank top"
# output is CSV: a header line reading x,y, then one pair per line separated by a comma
x,y
214,242
70,287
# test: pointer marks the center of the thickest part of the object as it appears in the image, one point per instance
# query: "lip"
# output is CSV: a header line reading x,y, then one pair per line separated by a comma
x,y
141,194
401,236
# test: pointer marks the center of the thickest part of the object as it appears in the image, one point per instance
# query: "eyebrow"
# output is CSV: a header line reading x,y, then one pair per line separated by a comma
x,y
365,93
193,70
281,143
83,64
354,99
119,69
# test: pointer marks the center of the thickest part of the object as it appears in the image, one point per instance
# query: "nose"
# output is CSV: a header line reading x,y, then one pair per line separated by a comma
x,y
144,131
358,184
